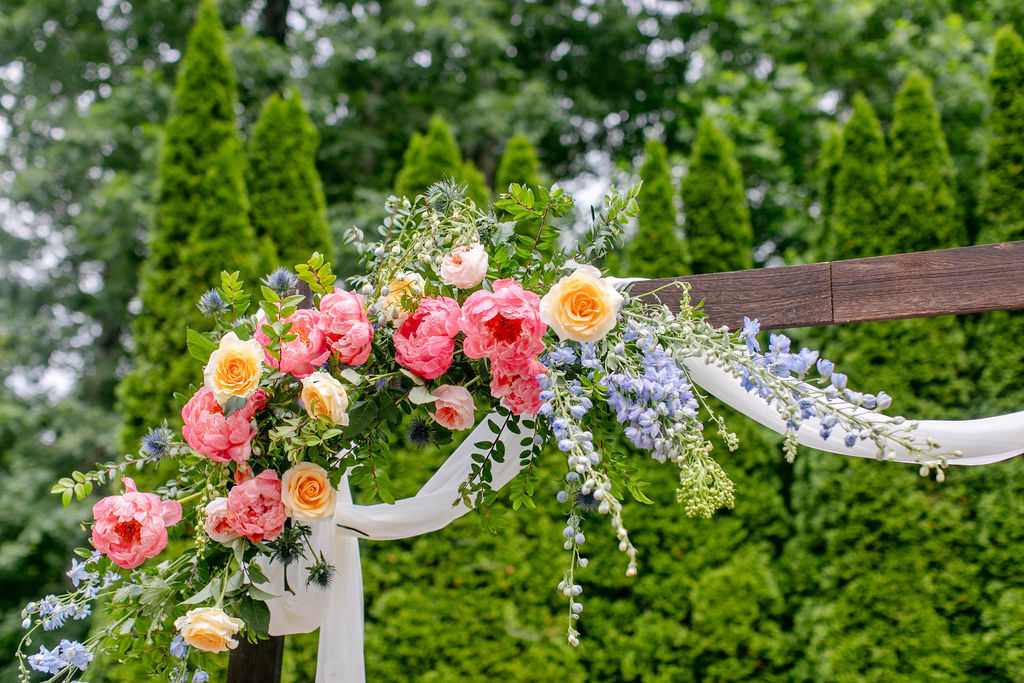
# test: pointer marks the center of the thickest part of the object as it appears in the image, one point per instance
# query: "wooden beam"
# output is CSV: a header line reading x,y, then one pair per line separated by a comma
x,y
988,277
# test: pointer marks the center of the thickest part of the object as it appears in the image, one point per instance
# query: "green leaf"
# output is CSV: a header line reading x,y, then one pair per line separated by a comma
x,y
233,405
255,614
360,418
421,395
209,592
258,593
198,345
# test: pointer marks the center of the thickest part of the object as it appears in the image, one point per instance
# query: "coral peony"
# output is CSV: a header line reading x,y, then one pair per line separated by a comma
x,y
426,341
304,354
503,325
464,267
132,527
218,526
453,408
255,509
221,438
517,386
346,328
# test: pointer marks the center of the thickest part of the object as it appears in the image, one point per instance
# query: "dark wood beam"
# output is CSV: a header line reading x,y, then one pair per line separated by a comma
x,y
258,662
988,277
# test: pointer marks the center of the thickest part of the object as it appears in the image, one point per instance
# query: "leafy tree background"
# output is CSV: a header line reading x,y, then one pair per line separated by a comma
x,y
820,564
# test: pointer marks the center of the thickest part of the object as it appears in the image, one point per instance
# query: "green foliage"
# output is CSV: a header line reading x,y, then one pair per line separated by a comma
x,y
476,185
519,164
827,170
861,188
287,207
201,228
656,249
718,231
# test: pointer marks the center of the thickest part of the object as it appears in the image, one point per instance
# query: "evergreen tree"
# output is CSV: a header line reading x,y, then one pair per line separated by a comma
x,y
827,170
476,185
428,159
861,187
201,228
287,200
519,164
656,249
718,231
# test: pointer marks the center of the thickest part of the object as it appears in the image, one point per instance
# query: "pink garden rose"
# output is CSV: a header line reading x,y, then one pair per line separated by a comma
x,y
255,509
347,331
464,267
425,342
517,386
453,408
218,526
132,527
503,325
304,354
208,432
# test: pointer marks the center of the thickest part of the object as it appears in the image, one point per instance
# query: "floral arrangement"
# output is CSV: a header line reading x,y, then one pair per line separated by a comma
x,y
461,313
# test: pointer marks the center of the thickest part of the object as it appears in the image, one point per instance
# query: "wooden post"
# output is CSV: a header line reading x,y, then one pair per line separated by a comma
x,y
258,662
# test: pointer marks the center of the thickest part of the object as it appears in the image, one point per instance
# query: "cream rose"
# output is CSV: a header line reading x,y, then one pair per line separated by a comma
x,y
209,629
306,492
234,369
453,408
404,285
323,396
581,307
464,267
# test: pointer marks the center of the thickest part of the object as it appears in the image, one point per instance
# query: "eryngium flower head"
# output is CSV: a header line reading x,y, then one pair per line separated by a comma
x,y
282,281
156,442
320,574
419,433
211,303
443,196
287,548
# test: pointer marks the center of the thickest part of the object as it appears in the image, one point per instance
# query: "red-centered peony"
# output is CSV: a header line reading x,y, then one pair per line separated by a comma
x,y
346,328
218,526
132,527
425,342
517,386
304,354
255,509
221,438
503,325
453,408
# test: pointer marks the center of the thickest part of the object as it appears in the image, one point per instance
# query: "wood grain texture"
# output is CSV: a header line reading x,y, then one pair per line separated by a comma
x,y
258,662
988,277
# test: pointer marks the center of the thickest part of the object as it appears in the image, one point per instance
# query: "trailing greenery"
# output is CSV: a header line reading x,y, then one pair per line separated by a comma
x,y
656,249
717,221
287,207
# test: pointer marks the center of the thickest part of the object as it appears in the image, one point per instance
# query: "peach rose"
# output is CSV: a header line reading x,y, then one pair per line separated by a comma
x,y
209,629
218,526
582,307
323,396
453,408
404,285
306,493
234,369
464,267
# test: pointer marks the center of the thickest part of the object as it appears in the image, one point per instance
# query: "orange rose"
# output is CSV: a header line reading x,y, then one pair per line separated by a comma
x,y
324,397
209,629
582,307
234,369
306,492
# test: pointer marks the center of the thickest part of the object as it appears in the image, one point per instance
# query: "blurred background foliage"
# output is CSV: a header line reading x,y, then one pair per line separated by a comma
x,y
772,132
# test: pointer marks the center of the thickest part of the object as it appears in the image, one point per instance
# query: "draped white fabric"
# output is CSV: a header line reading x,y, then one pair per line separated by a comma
x,y
339,612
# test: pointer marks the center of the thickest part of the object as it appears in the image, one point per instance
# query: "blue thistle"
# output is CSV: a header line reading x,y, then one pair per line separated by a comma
x,y
282,281
156,442
211,303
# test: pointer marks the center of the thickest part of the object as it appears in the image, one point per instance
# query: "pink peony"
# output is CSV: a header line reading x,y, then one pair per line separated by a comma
x,y
304,354
218,526
255,509
346,328
464,267
503,325
453,408
132,527
425,342
208,432
517,386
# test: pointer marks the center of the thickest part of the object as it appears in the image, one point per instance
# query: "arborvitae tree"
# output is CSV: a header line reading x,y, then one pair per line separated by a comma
x,y
827,170
861,187
476,185
923,211
519,164
656,249
201,228
718,231
286,196
428,159
1002,194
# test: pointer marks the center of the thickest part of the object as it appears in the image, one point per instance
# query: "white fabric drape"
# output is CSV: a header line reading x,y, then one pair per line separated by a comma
x,y
339,612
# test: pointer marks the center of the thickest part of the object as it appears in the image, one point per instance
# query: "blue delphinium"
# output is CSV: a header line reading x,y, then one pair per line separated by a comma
x,y
178,647
47,661
76,654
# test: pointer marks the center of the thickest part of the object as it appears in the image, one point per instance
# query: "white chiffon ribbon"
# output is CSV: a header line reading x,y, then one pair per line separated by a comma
x,y
338,611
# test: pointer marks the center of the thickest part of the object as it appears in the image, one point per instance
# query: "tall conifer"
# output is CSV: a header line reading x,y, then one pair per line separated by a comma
x,y
519,164
201,228
825,190
287,198
428,159
861,187
718,231
656,249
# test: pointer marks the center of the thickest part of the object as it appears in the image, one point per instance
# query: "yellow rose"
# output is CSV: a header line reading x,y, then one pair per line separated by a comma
x,y
234,369
582,306
209,629
306,492
324,397
404,285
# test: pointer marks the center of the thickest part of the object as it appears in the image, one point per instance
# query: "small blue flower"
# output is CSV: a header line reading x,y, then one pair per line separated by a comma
x,y
78,573
749,333
47,661
211,303
156,442
200,676
825,368
883,400
76,654
178,647
839,380
282,281
850,441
